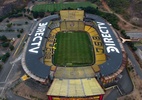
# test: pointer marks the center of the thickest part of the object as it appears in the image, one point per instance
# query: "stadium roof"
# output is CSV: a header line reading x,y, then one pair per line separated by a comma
x,y
75,88
36,42
32,59
114,59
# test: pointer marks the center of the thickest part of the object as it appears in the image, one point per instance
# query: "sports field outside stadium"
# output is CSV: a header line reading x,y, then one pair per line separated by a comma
x,y
59,6
73,49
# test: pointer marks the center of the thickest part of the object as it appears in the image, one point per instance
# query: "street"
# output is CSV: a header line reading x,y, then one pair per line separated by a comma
x,y
133,60
12,69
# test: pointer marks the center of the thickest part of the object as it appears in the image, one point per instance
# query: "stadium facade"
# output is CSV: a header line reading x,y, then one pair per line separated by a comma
x,y
74,82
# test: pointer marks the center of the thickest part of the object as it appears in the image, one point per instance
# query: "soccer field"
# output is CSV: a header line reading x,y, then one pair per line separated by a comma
x,y
73,49
59,6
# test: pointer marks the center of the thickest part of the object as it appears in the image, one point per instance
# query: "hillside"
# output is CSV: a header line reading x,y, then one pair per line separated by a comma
x,y
8,6
129,9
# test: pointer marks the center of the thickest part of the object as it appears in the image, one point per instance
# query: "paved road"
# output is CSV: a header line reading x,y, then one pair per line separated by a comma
x,y
140,47
7,67
11,96
8,72
125,85
9,34
5,71
134,34
17,68
133,60
13,75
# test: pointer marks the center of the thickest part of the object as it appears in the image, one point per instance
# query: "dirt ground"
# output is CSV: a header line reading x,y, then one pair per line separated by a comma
x,y
8,1
25,91
137,82
124,24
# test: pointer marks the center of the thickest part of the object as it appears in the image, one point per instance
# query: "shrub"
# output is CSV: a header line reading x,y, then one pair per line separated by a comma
x,y
0,67
5,57
18,36
11,47
3,38
22,30
5,44
26,22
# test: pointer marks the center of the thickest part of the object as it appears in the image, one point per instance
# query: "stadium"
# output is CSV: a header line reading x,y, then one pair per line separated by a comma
x,y
78,53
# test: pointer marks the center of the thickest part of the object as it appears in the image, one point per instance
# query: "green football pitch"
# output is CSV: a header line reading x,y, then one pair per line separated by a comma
x,y
73,49
59,6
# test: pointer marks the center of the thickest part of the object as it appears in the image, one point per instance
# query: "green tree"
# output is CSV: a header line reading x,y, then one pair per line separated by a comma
x,y
5,57
0,67
18,36
93,1
17,30
3,38
26,22
9,25
52,13
21,30
24,10
5,44
33,1
28,10
41,14
11,47
134,48
35,14
7,54
7,21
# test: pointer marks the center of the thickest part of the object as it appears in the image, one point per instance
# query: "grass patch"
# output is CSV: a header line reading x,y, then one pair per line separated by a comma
x,y
59,6
73,49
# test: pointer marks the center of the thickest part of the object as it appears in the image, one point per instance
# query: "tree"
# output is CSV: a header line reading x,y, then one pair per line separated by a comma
x,y
28,10
22,30
5,44
7,21
11,47
18,36
24,10
35,14
41,14
93,1
3,38
0,66
26,22
5,57
17,30
7,54
134,48
33,1
52,13
9,25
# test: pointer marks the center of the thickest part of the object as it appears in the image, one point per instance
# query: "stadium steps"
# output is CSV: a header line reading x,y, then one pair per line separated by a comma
x,y
58,29
74,72
96,68
54,24
91,30
87,28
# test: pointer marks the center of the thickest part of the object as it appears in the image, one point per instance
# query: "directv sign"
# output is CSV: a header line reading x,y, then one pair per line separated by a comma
x,y
38,36
108,40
